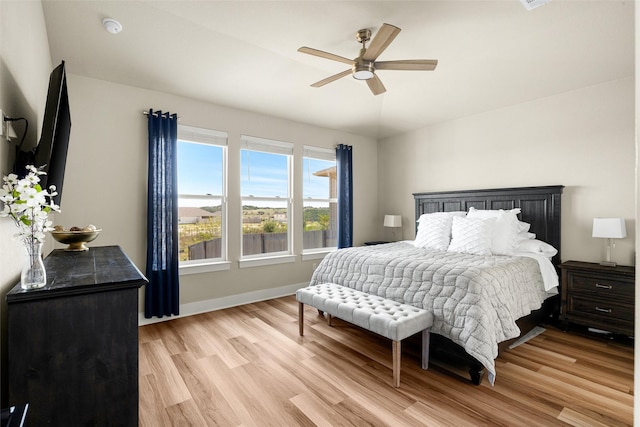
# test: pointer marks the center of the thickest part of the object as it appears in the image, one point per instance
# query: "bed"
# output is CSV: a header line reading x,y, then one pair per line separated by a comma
x,y
483,296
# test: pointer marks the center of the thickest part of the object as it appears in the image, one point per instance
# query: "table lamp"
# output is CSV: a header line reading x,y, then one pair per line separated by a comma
x,y
609,228
393,221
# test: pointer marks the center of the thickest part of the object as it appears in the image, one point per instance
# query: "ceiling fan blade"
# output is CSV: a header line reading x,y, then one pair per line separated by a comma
x,y
381,40
332,78
408,64
326,55
376,85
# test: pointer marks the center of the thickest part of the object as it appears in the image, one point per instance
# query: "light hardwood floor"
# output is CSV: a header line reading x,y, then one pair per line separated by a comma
x,y
248,366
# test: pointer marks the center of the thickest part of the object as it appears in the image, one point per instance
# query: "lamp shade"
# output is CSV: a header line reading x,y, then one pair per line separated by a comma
x,y
609,228
392,221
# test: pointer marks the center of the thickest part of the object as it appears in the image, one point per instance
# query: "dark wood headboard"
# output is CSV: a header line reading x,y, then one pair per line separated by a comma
x,y
540,207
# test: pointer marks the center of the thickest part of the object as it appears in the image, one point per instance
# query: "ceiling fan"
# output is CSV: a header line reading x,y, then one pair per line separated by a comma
x,y
364,66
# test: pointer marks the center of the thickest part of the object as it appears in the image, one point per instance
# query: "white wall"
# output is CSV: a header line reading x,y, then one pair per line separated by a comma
x,y
105,180
582,139
25,65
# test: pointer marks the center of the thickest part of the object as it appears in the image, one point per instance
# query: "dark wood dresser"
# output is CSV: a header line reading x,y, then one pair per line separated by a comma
x,y
598,296
73,344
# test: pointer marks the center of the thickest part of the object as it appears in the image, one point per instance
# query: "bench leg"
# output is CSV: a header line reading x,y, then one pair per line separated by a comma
x,y
301,318
328,319
396,363
425,349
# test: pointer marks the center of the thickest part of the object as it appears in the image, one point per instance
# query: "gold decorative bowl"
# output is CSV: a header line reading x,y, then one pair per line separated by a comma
x,y
76,239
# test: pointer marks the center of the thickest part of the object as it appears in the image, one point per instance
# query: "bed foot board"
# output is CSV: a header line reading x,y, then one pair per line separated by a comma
x,y
453,357
477,373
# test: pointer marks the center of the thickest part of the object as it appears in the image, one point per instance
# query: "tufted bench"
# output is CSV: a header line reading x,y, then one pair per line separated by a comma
x,y
385,317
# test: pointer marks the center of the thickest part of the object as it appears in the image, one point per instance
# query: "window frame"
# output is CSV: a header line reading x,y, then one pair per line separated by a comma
x,y
197,135
317,153
264,145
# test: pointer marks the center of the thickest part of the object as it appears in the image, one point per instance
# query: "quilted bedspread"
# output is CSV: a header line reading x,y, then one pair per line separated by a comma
x,y
475,300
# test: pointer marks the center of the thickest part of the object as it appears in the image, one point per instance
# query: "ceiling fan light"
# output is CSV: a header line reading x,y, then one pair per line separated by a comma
x,y
363,71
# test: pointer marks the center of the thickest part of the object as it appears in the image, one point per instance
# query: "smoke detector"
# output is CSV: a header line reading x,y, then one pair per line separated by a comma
x,y
532,4
111,25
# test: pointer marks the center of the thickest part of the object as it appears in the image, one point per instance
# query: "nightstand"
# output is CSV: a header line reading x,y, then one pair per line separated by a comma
x,y
598,296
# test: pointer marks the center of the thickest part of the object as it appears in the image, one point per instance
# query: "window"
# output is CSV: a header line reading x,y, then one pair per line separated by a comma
x,y
202,158
265,187
320,203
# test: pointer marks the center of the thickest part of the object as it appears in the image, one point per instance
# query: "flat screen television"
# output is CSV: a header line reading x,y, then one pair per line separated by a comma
x,y
51,151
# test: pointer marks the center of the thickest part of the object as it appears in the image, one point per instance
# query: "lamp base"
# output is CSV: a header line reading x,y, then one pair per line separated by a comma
x,y
609,263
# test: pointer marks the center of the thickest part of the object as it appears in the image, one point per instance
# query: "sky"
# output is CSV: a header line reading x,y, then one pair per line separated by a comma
x,y
262,174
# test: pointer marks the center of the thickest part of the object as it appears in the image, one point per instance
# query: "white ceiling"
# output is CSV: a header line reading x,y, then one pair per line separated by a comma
x,y
243,54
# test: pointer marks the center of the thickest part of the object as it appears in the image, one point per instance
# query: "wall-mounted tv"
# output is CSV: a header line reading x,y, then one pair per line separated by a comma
x,y
51,151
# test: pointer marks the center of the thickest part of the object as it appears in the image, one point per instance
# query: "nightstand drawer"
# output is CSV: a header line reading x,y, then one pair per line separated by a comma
x,y
607,287
605,310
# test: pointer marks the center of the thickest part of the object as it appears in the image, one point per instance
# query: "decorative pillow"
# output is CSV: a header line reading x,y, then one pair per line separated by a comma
x,y
537,246
434,230
471,235
506,228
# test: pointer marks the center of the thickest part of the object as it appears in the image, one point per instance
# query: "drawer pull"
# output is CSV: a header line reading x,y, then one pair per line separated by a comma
x,y
603,310
598,285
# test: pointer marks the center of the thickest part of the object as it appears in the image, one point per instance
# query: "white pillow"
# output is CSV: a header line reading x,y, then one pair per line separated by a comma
x,y
523,226
445,214
434,230
505,232
536,246
471,235
524,235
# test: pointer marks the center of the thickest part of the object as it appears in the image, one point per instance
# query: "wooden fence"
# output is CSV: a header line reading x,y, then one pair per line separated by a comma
x,y
319,239
263,243
206,249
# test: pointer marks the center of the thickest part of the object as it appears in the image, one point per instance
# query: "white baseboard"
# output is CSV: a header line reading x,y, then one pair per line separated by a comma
x,y
198,307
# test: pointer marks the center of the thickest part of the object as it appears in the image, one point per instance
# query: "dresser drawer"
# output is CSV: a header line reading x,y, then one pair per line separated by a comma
x,y
598,296
601,309
605,287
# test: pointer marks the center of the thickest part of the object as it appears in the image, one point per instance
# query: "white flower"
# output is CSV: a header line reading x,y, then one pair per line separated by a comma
x,y
33,198
32,178
11,178
5,196
28,204
23,185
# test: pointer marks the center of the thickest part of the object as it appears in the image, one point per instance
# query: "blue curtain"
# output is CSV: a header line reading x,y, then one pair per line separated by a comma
x,y
345,196
162,291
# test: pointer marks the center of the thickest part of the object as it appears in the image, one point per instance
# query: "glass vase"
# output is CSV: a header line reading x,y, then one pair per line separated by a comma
x,y
33,275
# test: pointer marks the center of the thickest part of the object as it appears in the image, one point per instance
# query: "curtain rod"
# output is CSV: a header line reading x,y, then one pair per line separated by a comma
x,y
146,113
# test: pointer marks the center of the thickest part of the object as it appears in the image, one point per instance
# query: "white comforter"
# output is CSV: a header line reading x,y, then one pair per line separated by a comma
x,y
475,300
